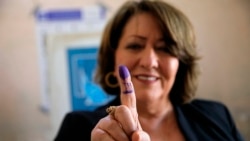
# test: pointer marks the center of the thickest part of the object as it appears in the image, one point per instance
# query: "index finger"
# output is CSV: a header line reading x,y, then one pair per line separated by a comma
x,y
128,97
127,89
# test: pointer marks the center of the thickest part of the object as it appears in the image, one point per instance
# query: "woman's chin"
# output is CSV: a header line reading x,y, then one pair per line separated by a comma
x,y
147,96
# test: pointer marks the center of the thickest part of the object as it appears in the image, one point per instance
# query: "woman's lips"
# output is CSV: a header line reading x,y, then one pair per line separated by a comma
x,y
148,78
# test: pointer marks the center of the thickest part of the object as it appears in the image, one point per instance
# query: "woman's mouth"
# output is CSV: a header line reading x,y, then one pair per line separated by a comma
x,y
146,78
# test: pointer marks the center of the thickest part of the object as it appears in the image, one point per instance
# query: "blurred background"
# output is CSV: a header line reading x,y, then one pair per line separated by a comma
x,y
43,73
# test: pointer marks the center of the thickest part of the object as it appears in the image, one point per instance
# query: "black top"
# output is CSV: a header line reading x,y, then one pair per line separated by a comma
x,y
199,120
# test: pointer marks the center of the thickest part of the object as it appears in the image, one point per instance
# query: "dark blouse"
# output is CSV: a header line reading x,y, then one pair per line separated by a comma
x,y
199,120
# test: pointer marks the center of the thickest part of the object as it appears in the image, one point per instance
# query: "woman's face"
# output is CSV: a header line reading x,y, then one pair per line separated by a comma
x,y
142,49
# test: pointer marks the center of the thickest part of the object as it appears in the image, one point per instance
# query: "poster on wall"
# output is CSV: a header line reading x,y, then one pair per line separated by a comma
x,y
85,93
67,41
87,20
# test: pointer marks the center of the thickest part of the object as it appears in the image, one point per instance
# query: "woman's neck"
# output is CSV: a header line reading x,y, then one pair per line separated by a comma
x,y
153,114
161,124
154,109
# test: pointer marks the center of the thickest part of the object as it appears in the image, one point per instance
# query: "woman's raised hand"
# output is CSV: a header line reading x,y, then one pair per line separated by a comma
x,y
122,124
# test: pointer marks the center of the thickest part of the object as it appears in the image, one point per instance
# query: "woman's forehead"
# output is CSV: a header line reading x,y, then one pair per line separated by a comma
x,y
141,25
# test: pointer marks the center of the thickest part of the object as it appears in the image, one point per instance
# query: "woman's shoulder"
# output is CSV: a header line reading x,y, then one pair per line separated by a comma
x,y
207,110
91,116
85,115
207,104
207,107
208,117
78,125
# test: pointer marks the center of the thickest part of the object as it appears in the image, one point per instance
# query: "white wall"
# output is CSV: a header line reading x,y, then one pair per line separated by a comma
x,y
223,33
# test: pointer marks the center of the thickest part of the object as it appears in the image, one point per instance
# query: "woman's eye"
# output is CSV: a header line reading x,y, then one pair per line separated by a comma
x,y
163,49
134,46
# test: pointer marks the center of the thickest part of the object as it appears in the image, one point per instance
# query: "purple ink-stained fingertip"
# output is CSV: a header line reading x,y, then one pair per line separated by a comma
x,y
123,71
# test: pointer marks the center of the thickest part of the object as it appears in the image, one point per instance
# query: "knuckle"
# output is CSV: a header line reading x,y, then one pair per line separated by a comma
x,y
122,109
108,124
97,134
112,125
103,120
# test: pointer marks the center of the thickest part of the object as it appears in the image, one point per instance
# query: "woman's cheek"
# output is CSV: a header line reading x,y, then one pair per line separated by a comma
x,y
174,65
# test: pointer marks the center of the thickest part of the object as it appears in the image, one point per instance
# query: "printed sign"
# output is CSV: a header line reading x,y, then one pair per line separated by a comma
x,y
85,93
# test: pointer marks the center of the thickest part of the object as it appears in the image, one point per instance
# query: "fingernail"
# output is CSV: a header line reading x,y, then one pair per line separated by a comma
x,y
124,74
123,71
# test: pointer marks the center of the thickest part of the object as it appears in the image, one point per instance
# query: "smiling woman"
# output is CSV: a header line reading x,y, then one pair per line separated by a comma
x,y
144,51
153,43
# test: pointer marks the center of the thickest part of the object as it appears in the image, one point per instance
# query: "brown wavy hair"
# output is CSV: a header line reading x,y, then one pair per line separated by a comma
x,y
178,33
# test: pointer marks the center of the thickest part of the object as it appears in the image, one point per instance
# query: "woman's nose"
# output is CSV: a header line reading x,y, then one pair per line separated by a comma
x,y
149,58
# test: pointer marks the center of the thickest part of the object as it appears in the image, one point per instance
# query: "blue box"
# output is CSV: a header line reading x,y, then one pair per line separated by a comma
x,y
84,92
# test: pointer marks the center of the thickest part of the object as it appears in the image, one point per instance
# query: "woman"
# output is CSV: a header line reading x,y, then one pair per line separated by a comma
x,y
156,43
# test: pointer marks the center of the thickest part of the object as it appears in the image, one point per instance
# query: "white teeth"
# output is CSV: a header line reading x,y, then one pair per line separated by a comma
x,y
149,78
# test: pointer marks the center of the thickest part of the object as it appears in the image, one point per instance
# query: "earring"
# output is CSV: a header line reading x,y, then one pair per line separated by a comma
x,y
109,77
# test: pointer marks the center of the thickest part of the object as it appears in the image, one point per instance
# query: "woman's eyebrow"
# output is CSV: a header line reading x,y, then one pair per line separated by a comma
x,y
161,40
139,37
